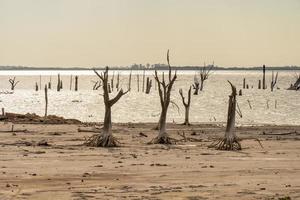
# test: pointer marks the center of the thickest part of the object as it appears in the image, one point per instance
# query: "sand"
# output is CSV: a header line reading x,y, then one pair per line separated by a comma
x,y
188,170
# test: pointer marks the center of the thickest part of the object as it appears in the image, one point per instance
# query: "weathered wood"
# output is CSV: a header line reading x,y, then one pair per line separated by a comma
x,y
143,81
105,138
58,83
230,141
71,80
46,100
296,85
76,83
148,85
164,91
129,81
264,77
274,81
259,84
36,86
186,105
244,83
13,83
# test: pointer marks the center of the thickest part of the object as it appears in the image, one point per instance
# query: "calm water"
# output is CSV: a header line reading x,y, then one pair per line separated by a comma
x,y
209,106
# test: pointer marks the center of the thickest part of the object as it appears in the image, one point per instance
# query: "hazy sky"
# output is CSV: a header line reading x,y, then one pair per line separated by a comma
x,y
92,33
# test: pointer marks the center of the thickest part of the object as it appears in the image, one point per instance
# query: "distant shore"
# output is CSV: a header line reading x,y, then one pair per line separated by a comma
x,y
187,68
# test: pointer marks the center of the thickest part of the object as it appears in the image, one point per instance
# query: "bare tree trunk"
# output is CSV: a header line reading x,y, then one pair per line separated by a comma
x,y
143,81
164,91
129,81
49,84
46,101
196,88
58,83
112,81
264,77
71,80
105,138
186,106
148,85
13,83
118,82
259,84
41,81
230,141
138,82
36,86
201,84
76,83
244,83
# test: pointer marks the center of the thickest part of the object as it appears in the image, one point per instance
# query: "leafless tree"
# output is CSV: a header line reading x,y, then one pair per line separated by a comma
x,y
274,80
105,138
203,76
97,85
13,83
230,141
164,91
186,106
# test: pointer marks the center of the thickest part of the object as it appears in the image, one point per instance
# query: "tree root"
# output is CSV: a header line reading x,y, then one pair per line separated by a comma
x,y
102,140
163,140
227,144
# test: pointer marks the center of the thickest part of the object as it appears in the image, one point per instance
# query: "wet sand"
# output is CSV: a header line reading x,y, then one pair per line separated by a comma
x,y
188,170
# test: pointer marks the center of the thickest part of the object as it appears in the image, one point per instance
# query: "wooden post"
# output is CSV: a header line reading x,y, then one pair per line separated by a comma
x,y
129,81
46,100
138,82
41,81
49,84
264,77
118,82
76,83
71,79
259,84
36,86
143,81
244,83
58,83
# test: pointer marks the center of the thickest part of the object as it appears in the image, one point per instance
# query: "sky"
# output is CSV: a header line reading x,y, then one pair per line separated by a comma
x,y
90,33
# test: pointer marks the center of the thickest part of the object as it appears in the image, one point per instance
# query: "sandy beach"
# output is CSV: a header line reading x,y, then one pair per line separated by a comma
x,y
43,161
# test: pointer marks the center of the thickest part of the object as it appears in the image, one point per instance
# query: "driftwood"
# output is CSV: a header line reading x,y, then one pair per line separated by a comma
x,y
13,83
230,141
186,106
105,138
164,91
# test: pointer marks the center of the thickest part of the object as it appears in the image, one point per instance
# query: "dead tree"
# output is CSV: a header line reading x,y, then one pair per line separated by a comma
x,y
186,106
244,83
259,84
164,91
118,82
49,84
71,80
138,82
144,80
13,83
148,85
46,100
204,73
196,85
264,78
296,85
76,83
129,81
230,141
105,138
36,86
58,83
274,81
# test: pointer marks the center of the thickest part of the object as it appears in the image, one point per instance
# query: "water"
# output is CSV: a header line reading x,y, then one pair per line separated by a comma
x,y
209,106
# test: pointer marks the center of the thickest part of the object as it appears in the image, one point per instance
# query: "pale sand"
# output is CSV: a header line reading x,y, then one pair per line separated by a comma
x,y
188,170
